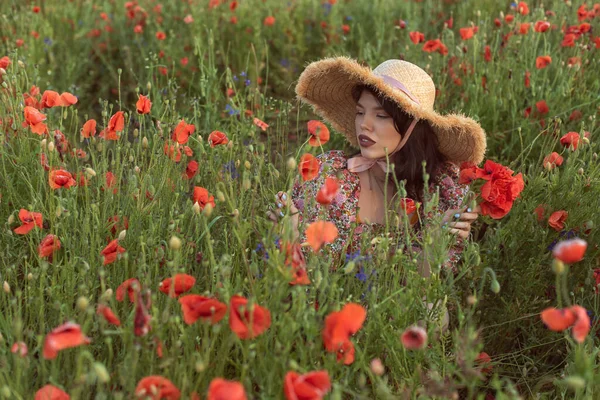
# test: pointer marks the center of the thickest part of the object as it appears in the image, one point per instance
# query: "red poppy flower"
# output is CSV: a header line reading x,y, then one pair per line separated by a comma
x,y
34,119
208,309
319,233
269,21
484,361
435,45
157,387
216,138
29,221
570,251
522,8
570,140
416,37
143,105
568,40
63,337
414,338
201,196
89,128
524,28
542,107
108,314
541,26
111,181
262,125
50,392
115,124
582,325
191,170
294,258
542,61
182,132
115,223
466,33
48,245
310,386
173,151
408,205
319,133
339,326
68,99
4,62
50,99
328,191
111,251
220,389
309,167
552,161
131,286
141,319
539,211
161,35
183,283
557,220
247,321
487,53
19,348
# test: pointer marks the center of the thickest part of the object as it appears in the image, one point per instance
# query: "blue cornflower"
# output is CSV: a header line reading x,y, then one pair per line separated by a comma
x,y
47,41
243,73
349,18
352,256
326,8
235,78
230,110
563,235
231,169
247,82
361,275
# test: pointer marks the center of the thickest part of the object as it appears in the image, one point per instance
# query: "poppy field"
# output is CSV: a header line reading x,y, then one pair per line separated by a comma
x,y
142,144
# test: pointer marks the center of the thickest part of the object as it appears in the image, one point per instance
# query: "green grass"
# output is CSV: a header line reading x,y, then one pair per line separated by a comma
x,y
226,251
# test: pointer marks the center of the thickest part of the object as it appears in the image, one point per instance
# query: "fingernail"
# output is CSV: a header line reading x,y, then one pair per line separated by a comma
x,y
457,215
284,197
280,214
279,205
469,209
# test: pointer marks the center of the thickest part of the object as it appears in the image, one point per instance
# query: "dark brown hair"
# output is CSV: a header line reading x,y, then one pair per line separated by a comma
x,y
421,146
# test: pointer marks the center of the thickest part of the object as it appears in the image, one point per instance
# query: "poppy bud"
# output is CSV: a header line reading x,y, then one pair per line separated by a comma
x,y
200,366
235,213
196,208
208,209
6,393
83,303
50,147
558,266
101,372
575,382
136,132
247,164
122,234
90,172
472,300
4,85
246,184
291,163
230,144
6,287
2,71
43,144
585,140
145,144
11,219
148,86
580,171
175,243
495,286
107,295
377,367
136,169
220,196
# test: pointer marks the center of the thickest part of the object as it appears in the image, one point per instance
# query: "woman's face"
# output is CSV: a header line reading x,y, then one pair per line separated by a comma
x,y
375,129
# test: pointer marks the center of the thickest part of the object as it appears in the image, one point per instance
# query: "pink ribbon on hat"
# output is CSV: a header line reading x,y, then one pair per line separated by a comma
x,y
399,85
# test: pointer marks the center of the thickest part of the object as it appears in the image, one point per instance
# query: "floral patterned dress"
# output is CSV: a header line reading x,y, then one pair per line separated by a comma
x,y
343,211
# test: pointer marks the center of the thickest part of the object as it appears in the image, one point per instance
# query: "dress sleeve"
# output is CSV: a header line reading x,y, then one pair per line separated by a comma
x,y
452,195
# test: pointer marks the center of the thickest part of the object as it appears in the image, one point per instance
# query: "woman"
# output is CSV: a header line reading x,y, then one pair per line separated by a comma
x,y
388,113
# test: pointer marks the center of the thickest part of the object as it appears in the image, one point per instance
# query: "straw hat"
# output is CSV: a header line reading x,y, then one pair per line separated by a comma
x,y
327,85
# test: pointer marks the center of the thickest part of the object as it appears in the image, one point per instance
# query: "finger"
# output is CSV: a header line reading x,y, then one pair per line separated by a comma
x,y
461,234
460,225
468,216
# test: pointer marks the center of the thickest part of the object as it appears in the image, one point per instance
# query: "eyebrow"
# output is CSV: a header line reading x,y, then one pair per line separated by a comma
x,y
375,108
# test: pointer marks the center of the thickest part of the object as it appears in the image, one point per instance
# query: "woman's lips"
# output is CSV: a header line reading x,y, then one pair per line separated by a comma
x,y
365,141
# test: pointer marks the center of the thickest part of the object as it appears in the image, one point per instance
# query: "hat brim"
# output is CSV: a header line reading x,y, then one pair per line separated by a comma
x,y
327,85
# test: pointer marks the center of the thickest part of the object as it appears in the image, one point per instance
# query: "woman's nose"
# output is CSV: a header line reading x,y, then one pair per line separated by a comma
x,y
365,124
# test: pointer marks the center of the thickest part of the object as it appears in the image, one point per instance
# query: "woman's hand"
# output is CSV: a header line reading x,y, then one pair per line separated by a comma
x,y
283,201
459,220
